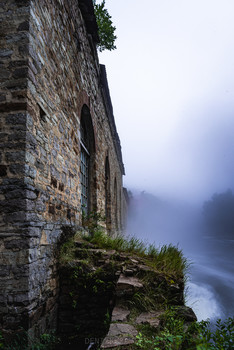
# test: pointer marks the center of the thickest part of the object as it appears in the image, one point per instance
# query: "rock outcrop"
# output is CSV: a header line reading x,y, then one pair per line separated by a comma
x,y
107,296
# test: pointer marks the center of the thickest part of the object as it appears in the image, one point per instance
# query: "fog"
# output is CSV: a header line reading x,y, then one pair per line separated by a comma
x,y
172,86
210,286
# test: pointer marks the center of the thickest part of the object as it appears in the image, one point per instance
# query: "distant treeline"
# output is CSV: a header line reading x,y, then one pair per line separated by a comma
x,y
218,214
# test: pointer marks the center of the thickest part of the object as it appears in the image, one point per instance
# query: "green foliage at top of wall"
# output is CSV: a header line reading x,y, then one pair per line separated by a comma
x,y
106,29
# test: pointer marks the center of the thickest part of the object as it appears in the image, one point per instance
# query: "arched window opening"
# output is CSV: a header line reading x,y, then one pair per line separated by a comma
x,y
87,161
116,204
120,210
107,195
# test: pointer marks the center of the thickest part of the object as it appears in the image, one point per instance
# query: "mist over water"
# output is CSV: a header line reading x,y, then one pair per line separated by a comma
x,y
173,98
210,286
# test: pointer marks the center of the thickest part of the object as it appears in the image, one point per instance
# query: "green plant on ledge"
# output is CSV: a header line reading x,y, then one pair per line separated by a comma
x,y
175,335
168,258
92,221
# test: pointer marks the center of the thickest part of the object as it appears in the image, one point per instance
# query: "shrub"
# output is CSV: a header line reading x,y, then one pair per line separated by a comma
x,y
22,340
197,336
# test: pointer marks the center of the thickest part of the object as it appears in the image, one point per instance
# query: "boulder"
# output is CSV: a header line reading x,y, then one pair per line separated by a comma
x,y
186,313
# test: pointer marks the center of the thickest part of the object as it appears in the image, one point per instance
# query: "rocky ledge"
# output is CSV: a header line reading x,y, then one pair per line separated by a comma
x,y
108,296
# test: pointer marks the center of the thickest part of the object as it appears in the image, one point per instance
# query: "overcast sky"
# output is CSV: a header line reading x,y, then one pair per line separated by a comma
x,y
171,81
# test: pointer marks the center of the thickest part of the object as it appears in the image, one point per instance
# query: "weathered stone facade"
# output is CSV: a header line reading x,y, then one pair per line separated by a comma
x,y
51,83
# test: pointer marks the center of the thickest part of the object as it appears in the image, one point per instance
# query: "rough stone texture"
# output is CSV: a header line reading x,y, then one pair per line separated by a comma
x,y
119,314
127,285
119,334
186,313
15,190
97,296
50,77
151,318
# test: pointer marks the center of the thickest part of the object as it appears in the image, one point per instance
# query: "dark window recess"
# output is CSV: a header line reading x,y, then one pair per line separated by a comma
x,y
77,40
42,114
53,182
69,214
87,166
107,194
84,179
61,187
51,209
84,168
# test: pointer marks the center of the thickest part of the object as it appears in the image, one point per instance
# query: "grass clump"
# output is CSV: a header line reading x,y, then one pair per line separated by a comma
x,y
168,259
118,243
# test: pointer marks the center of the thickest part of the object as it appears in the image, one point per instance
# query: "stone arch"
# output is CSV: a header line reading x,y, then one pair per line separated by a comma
x,y
87,162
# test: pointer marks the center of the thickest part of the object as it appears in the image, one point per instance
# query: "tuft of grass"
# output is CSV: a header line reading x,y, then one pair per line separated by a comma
x,y
168,259
134,245
152,251
142,301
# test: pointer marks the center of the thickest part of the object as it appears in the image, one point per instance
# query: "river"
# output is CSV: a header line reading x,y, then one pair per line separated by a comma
x,y
210,277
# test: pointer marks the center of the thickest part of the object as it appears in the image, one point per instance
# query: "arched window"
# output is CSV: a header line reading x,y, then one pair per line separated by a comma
x,y
120,210
116,204
107,195
87,156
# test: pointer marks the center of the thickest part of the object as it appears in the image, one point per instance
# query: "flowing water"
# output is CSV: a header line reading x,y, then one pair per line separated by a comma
x,y
210,286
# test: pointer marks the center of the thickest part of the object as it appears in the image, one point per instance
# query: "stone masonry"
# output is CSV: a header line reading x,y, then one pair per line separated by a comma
x,y
50,83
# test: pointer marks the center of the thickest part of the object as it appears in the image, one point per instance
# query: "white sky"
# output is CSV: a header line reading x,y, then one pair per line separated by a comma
x,y
171,81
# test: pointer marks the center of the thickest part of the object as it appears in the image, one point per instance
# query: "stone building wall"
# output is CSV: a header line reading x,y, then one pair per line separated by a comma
x,y
50,79
15,192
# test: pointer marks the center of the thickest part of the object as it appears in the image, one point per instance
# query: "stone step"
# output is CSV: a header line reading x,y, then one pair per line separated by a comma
x,y
120,334
150,318
127,285
119,314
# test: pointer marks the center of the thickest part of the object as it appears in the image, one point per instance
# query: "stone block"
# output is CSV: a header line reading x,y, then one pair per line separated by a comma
x,y
15,156
16,217
16,119
4,270
17,169
16,244
5,53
